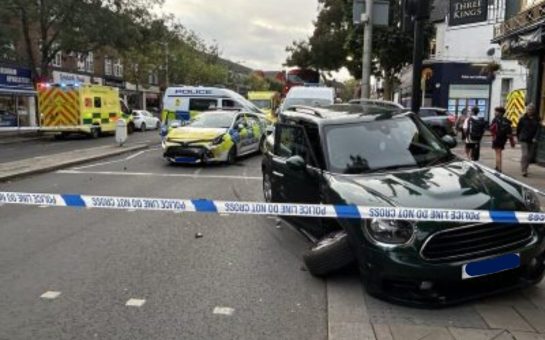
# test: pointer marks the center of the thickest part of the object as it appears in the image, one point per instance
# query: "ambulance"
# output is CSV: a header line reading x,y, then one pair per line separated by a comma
x,y
85,108
183,103
515,106
267,101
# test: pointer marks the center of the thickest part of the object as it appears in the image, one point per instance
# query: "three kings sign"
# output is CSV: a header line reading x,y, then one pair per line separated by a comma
x,y
464,12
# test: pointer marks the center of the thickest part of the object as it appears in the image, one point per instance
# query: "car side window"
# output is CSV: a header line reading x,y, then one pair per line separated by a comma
x,y
228,103
98,102
426,113
202,104
291,141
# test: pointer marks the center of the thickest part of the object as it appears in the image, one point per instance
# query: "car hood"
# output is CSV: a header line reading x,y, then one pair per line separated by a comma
x,y
192,133
454,185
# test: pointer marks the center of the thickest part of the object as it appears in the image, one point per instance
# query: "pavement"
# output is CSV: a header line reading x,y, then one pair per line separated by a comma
x,y
97,274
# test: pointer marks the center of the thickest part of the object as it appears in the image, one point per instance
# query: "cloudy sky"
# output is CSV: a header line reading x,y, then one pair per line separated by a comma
x,y
251,32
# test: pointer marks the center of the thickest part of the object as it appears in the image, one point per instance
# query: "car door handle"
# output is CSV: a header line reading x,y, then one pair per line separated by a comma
x,y
277,174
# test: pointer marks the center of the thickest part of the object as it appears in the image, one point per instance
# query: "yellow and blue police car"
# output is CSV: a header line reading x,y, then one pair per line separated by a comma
x,y
215,136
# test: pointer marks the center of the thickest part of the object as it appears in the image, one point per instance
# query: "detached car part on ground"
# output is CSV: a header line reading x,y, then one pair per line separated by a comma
x,y
358,155
218,136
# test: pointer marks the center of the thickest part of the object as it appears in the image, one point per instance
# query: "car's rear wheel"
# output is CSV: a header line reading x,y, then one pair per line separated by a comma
x,y
232,156
158,125
130,128
143,127
330,254
95,132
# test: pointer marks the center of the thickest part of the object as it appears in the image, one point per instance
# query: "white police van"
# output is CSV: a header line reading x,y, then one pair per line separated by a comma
x,y
182,103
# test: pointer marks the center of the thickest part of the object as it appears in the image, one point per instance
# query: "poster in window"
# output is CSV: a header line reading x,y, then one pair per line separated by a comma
x,y
463,12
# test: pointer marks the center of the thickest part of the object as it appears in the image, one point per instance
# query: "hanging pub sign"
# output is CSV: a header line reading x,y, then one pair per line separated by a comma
x,y
464,12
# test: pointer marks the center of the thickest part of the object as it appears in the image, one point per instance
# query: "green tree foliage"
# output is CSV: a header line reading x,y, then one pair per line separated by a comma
x,y
336,42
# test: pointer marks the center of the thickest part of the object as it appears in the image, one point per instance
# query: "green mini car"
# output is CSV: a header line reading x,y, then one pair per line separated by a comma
x,y
380,157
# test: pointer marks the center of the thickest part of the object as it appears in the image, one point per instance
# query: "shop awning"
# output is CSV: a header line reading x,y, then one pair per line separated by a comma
x,y
18,92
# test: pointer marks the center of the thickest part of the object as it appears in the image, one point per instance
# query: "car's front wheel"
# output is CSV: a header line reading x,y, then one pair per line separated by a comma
x,y
232,156
330,254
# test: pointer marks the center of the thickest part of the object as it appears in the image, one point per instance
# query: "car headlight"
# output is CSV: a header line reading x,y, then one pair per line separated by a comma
x,y
390,231
218,140
531,200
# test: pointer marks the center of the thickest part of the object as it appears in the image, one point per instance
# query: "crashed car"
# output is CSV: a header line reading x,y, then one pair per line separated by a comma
x,y
216,136
379,157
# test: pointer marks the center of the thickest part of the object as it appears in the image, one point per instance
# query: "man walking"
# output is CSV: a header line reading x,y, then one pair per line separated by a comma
x,y
474,128
527,134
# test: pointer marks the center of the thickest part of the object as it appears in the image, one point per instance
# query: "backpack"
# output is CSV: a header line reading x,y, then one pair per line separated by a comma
x,y
504,127
476,129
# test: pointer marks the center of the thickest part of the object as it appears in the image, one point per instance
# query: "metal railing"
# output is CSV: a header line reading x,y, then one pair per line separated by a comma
x,y
525,18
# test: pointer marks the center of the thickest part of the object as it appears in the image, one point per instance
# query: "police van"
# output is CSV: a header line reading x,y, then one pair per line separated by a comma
x,y
183,103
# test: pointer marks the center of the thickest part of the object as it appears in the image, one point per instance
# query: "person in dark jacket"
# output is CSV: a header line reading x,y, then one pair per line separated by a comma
x,y
527,134
501,131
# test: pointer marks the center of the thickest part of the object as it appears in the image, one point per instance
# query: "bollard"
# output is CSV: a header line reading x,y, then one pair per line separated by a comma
x,y
121,132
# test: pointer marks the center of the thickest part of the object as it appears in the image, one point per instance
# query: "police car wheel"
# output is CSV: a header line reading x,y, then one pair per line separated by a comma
x,y
232,155
330,254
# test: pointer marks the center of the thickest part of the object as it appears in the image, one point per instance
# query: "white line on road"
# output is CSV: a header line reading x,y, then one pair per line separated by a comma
x,y
151,174
114,161
135,303
224,311
50,295
135,155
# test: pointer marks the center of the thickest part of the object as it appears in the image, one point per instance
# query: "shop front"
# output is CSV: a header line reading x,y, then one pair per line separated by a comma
x,y
17,98
70,78
521,37
457,87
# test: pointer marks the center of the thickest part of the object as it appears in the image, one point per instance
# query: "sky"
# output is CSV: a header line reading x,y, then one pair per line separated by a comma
x,y
254,33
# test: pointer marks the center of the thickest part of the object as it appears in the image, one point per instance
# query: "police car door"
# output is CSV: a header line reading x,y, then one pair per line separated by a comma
x,y
255,132
242,128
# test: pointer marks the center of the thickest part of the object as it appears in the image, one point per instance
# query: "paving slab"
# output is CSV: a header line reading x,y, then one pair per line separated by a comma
x,y
502,317
382,331
474,334
534,316
527,336
412,332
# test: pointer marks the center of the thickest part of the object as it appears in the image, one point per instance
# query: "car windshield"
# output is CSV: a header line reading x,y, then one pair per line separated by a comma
x,y
290,102
383,144
212,120
262,103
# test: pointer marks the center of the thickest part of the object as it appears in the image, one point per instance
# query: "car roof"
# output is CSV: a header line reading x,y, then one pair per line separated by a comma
x,y
433,108
377,102
341,113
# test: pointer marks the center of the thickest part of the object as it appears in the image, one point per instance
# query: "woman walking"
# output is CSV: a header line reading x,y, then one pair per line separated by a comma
x,y
501,131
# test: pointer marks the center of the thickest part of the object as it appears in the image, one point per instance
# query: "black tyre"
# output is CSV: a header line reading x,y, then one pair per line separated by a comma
x,y
95,132
61,136
130,128
143,127
158,125
232,156
330,254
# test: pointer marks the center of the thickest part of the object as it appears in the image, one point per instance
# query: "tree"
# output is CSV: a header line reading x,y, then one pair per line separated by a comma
x,y
48,27
337,43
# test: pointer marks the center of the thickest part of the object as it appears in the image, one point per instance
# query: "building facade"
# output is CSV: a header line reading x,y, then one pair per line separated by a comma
x,y
521,36
17,98
464,68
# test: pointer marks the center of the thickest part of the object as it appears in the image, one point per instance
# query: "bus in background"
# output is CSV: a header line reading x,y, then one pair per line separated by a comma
x,y
300,77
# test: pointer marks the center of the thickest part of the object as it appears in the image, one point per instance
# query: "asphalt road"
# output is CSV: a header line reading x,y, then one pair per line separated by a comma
x,y
49,145
242,279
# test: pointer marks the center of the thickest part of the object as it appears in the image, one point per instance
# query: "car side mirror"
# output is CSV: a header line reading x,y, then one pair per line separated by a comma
x,y
296,163
449,141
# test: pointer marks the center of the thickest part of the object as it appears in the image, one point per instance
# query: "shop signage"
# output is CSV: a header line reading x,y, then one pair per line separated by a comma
x,y
16,78
464,12
70,78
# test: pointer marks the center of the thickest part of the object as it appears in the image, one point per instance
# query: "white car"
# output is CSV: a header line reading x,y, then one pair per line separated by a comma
x,y
143,120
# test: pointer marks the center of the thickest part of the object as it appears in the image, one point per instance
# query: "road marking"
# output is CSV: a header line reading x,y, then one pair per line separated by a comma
x,y
150,174
50,295
135,303
224,311
135,155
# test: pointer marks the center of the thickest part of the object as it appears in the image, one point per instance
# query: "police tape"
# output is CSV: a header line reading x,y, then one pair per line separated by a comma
x,y
279,209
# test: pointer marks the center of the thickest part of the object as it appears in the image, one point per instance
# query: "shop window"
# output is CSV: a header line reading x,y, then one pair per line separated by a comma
x,y
198,104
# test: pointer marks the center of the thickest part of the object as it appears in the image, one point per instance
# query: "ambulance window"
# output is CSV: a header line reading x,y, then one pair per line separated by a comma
x,y
98,102
201,104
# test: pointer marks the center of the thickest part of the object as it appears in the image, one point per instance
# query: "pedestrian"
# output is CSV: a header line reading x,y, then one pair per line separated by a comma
x,y
460,123
502,131
527,135
473,128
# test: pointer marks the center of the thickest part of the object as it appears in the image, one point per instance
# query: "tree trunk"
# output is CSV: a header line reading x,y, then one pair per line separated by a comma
x,y
28,43
389,85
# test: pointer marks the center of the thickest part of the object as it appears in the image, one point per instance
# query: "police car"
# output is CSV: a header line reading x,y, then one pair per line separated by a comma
x,y
215,136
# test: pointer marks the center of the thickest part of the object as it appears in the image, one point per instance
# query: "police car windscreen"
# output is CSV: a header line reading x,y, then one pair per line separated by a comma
x,y
213,120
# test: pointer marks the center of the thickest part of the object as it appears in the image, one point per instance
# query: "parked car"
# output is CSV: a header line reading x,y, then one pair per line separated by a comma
x,y
144,120
215,136
349,155
439,120
311,95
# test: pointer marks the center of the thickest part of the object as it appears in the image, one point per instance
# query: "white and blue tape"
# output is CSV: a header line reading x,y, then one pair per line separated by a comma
x,y
280,209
